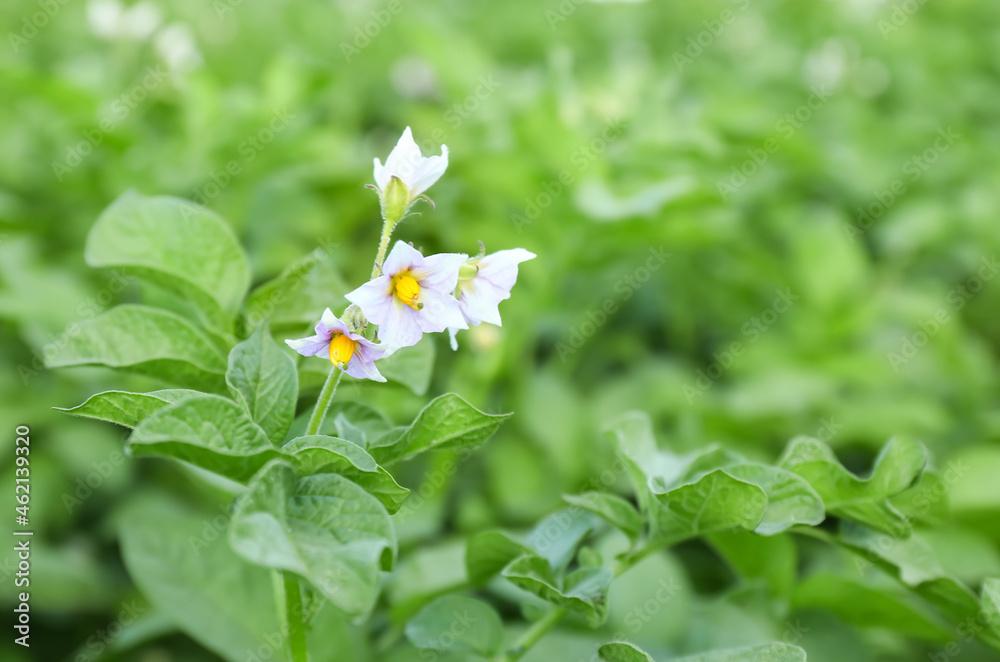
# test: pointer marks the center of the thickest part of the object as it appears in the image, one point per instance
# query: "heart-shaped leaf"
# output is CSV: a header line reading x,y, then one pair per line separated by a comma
x,y
177,245
622,651
323,527
866,501
207,431
584,590
457,623
322,454
448,422
263,378
147,341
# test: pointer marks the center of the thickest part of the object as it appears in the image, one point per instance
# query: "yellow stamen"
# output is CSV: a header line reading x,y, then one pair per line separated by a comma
x,y
341,349
408,290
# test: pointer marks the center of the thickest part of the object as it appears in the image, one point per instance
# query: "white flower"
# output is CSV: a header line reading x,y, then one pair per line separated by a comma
x,y
485,282
349,351
416,171
413,295
109,19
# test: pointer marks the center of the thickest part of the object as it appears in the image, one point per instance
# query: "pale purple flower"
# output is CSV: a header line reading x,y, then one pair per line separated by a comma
x,y
416,171
413,296
492,278
349,351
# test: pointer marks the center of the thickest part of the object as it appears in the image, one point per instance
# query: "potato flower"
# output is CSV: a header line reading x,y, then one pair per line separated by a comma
x,y
413,296
414,171
483,283
351,352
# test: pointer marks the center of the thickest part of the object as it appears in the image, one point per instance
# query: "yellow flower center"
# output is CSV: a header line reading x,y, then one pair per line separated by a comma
x,y
341,349
408,290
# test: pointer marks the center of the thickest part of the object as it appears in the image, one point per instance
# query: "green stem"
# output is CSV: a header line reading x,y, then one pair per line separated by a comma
x,y
383,245
290,608
323,402
555,614
533,635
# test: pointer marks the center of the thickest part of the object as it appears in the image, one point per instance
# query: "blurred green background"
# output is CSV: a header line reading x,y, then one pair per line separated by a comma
x,y
815,182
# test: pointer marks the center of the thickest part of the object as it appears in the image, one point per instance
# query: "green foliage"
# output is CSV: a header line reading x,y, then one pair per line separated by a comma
x,y
447,423
322,527
885,336
147,341
263,379
177,245
897,468
216,597
207,431
456,623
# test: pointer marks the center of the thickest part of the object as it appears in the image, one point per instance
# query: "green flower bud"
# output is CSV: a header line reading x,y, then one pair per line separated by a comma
x,y
395,200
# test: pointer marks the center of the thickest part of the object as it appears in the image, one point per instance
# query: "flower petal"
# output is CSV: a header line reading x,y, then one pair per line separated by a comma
x,y
430,170
374,298
362,364
500,268
400,328
381,175
479,301
405,159
311,346
402,257
440,311
440,271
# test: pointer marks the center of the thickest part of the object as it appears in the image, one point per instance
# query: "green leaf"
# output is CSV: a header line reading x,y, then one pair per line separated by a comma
x,y
487,553
358,416
448,422
613,509
220,600
714,502
119,407
411,366
790,499
584,591
147,341
990,602
772,559
622,651
775,652
457,623
321,454
864,606
926,501
177,245
866,501
557,537
684,496
296,299
207,431
263,378
912,562
322,527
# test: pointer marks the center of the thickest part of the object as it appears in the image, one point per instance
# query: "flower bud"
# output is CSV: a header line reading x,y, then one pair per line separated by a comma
x,y
395,200
354,319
